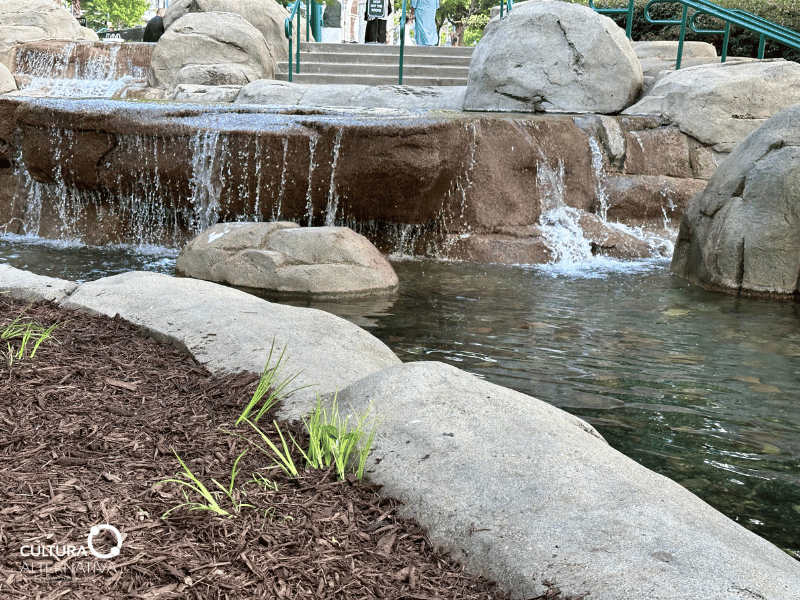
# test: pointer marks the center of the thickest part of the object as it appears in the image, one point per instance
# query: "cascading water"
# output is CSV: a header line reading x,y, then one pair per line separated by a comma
x,y
73,74
561,228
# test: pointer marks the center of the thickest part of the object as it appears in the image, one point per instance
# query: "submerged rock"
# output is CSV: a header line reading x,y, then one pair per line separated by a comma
x,y
742,232
553,57
283,257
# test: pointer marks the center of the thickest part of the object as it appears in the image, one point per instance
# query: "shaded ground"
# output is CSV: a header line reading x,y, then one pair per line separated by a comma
x,y
87,430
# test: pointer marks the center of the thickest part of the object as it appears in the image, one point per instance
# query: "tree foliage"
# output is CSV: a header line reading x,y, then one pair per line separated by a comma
x,y
468,17
116,14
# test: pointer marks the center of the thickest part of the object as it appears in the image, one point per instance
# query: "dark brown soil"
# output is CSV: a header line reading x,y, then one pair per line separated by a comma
x,y
87,430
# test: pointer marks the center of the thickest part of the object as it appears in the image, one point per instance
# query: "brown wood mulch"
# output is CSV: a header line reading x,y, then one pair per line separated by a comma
x,y
87,431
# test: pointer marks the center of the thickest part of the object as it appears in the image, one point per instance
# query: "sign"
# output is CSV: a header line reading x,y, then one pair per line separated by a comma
x,y
376,9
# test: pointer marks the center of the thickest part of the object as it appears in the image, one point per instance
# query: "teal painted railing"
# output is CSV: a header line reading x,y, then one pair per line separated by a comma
x,y
510,5
765,29
618,11
402,41
287,30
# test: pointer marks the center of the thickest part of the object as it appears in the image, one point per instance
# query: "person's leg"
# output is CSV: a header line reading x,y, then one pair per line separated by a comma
x,y
362,22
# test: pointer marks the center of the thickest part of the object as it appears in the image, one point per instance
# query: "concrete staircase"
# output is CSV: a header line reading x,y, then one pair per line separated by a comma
x,y
378,64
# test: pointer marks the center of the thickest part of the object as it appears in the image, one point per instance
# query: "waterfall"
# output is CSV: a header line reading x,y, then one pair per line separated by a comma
x,y
80,70
333,196
209,156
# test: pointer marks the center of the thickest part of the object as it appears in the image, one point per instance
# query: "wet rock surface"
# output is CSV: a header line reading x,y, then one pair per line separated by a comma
x,y
286,258
742,232
410,181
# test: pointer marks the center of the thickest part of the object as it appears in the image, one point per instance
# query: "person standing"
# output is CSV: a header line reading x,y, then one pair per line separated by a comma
x,y
332,22
155,27
377,13
424,14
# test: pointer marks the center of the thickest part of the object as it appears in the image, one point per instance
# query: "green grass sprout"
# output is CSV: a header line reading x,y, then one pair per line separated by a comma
x,y
269,385
209,501
333,441
281,458
26,333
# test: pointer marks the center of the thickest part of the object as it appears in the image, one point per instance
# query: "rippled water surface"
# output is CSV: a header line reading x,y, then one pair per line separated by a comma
x,y
703,388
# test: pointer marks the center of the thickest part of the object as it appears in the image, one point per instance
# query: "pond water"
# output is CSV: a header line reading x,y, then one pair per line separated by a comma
x,y
701,387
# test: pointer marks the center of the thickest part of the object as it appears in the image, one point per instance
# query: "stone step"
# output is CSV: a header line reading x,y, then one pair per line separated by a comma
x,y
378,64
389,69
394,49
384,58
366,79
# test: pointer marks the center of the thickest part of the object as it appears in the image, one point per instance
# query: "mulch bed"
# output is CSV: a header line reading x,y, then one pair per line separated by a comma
x,y
87,431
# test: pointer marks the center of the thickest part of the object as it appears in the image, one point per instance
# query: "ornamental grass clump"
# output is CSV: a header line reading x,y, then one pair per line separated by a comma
x,y
332,442
208,498
24,334
270,386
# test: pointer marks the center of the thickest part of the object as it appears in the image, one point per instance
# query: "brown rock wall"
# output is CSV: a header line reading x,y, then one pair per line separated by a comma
x,y
110,171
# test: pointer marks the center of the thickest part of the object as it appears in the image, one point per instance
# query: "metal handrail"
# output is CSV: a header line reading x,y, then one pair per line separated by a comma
x,y
765,29
287,30
402,41
510,4
618,11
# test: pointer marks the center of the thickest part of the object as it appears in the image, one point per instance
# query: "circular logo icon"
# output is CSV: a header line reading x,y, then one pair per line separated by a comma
x,y
105,527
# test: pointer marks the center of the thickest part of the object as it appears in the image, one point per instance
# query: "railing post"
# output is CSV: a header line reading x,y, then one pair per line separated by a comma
x,y
725,41
629,24
402,41
299,35
761,41
682,36
290,52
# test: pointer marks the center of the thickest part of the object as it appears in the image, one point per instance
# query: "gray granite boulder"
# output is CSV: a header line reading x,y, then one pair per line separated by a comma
x,y
24,20
210,49
742,233
350,95
719,104
7,83
265,15
553,57
229,330
525,493
24,285
284,257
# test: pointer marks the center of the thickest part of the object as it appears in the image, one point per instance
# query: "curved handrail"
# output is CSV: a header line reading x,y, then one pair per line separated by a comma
x,y
287,30
765,29
618,11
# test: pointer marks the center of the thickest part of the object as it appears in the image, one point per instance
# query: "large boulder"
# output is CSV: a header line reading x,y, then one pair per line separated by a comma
x,y
529,495
230,330
7,83
553,57
265,15
284,257
353,95
210,49
742,233
719,104
23,20
24,285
